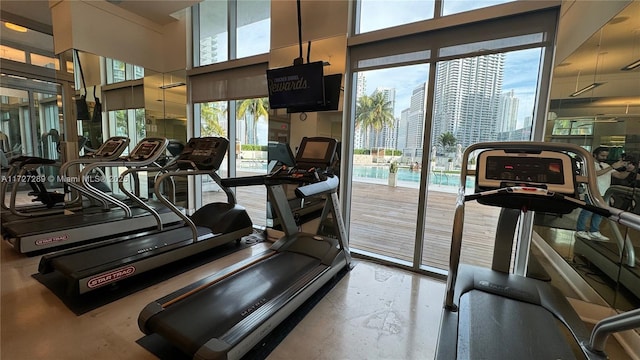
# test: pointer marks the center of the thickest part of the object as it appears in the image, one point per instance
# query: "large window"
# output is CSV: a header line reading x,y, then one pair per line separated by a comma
x,y
119,71
420,101
377,14
253,28
250,120
248,21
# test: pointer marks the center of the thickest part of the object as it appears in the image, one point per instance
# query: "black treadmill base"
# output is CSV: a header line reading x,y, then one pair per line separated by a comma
x,y
57,283
164,350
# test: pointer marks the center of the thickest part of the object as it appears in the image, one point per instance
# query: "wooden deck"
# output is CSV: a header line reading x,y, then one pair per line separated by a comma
x,y
383,221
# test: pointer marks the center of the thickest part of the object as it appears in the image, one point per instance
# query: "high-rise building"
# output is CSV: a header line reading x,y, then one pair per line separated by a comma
x,y
415,123
386,137
401,133
359,134
208,50
467,98
508,111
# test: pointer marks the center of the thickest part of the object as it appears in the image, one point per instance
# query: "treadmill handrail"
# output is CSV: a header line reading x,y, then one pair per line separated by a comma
x,y
158,191
124,162
624,243
328,185
92,158
137,199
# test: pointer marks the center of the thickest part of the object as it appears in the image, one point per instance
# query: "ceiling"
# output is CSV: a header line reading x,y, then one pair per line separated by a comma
x,y
159,12
599,59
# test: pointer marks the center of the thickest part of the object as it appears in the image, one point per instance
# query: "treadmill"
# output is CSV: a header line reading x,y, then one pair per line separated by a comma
x,y
26,167
42,234
224,315
496,314
96,265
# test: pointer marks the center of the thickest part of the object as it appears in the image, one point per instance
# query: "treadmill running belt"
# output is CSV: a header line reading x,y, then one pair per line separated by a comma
x,y
496,327
97,258
209,314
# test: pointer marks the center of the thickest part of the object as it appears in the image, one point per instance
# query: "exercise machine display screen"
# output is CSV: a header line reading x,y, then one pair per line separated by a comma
x,y
316,151
545,171
549,170
110,147
145,150
206,153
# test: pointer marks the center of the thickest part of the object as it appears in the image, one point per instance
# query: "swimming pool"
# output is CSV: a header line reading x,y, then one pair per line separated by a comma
x,y
404,174
381,174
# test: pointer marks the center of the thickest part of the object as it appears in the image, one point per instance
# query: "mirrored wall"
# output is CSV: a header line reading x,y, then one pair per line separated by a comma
x,y
595,103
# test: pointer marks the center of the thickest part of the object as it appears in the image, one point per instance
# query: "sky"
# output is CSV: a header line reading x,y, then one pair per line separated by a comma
x,y
520,75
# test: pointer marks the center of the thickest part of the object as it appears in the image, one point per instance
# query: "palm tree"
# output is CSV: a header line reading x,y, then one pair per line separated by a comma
x,y
447,141
210,113
374,112
256,107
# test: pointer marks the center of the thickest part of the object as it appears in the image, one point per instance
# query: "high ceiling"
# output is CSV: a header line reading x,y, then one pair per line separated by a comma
x,y
157,11
599,59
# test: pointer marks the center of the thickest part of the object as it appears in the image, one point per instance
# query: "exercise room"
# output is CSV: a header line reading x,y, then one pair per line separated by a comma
x,y
234,179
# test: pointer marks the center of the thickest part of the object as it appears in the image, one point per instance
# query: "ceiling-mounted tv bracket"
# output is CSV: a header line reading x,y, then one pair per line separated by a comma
x,y
300,60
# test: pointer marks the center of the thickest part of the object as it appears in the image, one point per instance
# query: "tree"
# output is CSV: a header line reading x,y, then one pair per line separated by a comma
x,y
373,112
447,141
256,108
210,114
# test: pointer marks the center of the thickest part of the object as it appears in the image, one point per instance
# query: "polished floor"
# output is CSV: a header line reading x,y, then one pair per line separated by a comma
x,y
375,311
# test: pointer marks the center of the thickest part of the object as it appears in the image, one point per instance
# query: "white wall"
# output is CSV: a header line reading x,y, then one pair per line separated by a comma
x,y
104,29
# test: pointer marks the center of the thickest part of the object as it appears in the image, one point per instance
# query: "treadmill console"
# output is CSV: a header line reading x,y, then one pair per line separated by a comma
x,y
317,152
113,147
548,170
146,149
206,153
523,173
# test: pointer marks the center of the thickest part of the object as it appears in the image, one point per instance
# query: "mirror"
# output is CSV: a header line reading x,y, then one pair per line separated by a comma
x,y
605,114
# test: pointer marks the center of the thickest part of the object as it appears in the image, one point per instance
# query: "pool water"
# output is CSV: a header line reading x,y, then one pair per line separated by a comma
x,y
405,174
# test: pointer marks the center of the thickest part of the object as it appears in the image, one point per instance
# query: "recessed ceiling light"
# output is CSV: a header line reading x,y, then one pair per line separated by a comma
x,y
15,27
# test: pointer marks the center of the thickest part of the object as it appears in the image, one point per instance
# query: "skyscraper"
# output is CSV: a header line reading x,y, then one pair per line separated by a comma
x,y
467,98
415,123
508,112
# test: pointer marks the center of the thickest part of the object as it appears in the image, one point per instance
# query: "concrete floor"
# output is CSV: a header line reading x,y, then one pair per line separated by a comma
x,y
374,312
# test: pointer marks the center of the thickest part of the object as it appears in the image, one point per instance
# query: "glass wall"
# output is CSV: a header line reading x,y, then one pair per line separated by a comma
x,y
250,120
477,99
226,102
119,71
377,14
605,118
420,101
389,123
228,30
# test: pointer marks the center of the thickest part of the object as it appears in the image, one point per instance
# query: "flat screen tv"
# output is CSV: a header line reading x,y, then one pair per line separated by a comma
x,y
298,85
332,84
